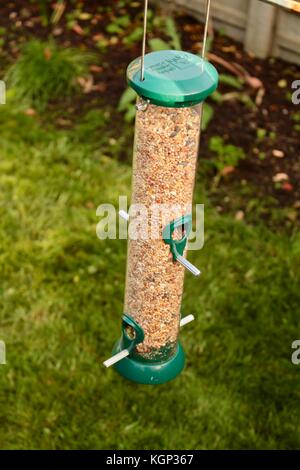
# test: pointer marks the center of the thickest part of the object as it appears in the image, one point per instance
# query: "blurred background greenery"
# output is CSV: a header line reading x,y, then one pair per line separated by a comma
x,y
65,147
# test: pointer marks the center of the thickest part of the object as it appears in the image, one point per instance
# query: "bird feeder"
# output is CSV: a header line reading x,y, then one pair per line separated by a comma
x,y
171,87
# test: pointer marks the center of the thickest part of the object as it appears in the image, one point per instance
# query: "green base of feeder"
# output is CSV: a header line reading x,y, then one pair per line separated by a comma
x,y
150,373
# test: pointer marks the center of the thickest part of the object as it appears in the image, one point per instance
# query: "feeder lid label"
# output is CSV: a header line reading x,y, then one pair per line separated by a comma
x,y
173,78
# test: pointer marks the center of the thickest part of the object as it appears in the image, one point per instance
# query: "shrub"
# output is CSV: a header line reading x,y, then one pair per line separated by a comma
x,y
45,72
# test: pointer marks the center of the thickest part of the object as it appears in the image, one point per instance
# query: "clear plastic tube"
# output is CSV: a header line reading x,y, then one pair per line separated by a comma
x,y
164,166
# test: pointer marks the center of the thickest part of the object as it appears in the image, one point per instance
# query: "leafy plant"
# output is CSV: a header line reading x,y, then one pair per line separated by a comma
x,y
231,80
45,72
208,114
168,26
118,25
157,44
73,16
135,36
102,44
226,155
126,104
58,11
296,119
261,133
44,10
217,97
172,32
209,44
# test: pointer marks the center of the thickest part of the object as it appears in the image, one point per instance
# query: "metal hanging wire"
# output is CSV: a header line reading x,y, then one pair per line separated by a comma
x,y
205,34
142,76
143,106
203,54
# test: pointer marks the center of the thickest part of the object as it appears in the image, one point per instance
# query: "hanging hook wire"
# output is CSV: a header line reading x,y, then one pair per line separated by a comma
x,y
207,14
142,76
203,54
205,34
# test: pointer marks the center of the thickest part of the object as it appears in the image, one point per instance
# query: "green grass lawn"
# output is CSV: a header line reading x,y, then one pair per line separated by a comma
x,y
61,301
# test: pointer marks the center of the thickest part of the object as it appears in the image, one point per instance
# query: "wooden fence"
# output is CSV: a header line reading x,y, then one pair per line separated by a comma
x,y
265,30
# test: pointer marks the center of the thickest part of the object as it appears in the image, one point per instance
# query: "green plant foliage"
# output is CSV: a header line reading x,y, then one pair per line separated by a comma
x,y
209,44
118,25
208,114
168,26
157,44
261,133
217,97
296,117
135,36
46,72
126,104
231,81
172,32
225,154
44,9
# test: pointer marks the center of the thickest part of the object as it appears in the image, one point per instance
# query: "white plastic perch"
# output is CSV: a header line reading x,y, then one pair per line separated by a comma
x,y
124,215
188,265
124,353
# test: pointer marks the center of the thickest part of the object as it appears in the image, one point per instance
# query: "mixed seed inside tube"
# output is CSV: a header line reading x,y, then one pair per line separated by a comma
x,y
164,166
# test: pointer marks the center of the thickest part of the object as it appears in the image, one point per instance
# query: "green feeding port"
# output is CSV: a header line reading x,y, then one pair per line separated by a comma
x,y
173,79
177,247
136,369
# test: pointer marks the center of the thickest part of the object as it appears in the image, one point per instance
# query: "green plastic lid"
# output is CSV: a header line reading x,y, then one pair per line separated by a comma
x,y
173,78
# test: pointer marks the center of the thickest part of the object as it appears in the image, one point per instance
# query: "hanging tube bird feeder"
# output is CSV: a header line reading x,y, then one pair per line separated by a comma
x,y
171,87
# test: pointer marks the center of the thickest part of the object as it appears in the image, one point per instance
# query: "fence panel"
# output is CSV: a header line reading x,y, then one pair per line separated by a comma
x,y
263,29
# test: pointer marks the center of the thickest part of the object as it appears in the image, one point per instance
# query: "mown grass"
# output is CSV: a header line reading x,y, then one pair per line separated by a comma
x,y
62,298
